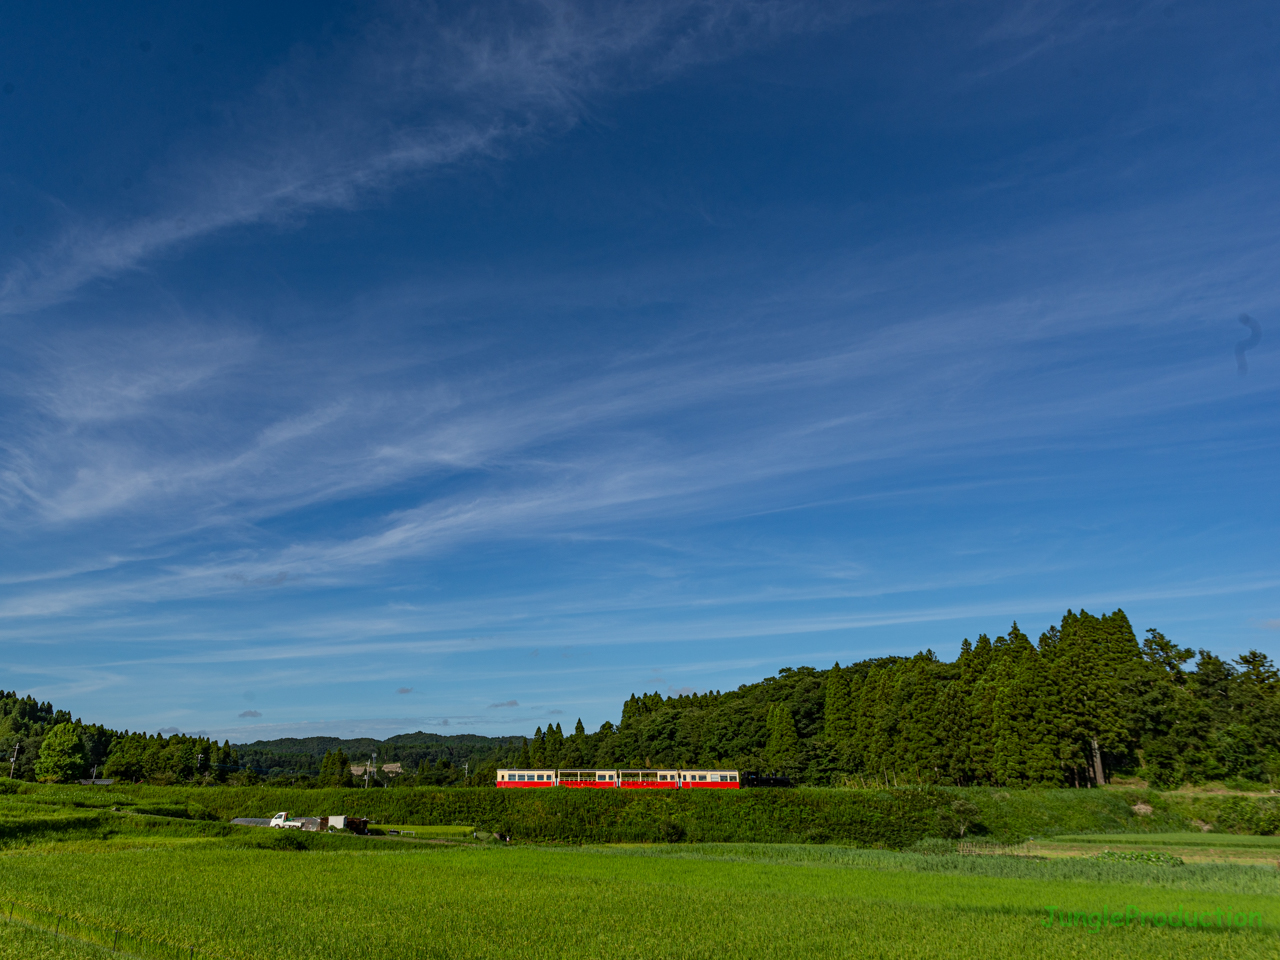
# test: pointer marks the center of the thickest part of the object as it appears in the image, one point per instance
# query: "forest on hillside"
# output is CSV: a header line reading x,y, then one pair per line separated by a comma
x,y
1086,701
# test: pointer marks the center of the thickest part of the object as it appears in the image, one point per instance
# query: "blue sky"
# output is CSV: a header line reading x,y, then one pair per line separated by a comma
x,y
385,367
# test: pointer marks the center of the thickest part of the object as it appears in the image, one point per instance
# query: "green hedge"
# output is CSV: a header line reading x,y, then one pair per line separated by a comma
x,y
875,818
1018,814
1256,815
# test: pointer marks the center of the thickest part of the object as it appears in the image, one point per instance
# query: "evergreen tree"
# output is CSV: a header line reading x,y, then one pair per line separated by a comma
x,y
982,713
537,755
554,747
954,721
335,770
783,749
837,709
917,753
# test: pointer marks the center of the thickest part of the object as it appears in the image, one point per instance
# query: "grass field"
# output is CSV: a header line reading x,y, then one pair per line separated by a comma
x,y
422,832
484,901
163,874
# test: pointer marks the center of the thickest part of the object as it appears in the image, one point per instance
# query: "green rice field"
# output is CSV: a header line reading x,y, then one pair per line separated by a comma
x,y
470,900
422,832
21,943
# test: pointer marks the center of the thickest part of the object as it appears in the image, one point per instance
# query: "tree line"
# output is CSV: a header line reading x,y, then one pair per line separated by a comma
x,y
1085,702
1088,700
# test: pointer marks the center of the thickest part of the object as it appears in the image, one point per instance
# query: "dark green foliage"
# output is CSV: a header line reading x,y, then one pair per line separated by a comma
x,y
956,818
1247,815
441,774
1085,702
161,760
335,770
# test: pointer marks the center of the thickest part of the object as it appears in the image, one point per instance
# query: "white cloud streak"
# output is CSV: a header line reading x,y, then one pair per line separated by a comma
x,y
418,92
549,453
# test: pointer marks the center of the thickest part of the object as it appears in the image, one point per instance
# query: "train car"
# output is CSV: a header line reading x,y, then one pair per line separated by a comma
x,y
710,779
588,778
649,779
526,778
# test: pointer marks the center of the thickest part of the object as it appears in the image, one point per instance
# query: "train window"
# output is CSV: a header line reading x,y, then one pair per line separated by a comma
x,y
702,777
611,776
539,776
733,778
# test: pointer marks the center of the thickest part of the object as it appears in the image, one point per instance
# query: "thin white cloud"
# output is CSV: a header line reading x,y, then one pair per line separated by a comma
x,y
419,91
550,455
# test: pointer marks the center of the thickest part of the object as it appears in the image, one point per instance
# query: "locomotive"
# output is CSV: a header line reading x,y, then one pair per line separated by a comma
x,y
622,779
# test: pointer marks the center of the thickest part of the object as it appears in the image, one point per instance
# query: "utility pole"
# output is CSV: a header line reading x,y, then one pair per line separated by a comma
x,y
199,759
14,759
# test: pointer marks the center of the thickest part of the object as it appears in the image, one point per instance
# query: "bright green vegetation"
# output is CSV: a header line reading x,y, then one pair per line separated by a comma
x,y
483,901
244,892
22,943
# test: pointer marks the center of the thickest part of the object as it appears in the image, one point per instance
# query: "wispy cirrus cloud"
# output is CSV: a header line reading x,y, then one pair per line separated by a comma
x,y
548,448
420,89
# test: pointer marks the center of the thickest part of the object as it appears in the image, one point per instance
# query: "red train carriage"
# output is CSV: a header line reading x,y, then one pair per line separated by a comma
x,y
526,778
588,778
647,779
713,779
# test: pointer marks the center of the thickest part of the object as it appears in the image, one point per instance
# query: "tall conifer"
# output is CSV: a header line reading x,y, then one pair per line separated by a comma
x,y
837,710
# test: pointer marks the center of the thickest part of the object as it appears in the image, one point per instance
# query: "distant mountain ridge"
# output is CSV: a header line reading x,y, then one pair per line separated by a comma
x,y
294,755
319,746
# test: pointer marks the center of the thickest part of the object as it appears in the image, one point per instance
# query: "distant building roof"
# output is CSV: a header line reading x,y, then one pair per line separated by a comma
x,y
390,769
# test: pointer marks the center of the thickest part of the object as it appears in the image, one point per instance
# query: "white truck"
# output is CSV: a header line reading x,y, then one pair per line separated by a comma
x,y
283,821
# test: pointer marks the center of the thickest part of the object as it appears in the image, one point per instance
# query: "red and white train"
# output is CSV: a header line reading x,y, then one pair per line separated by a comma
x,y
623,779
